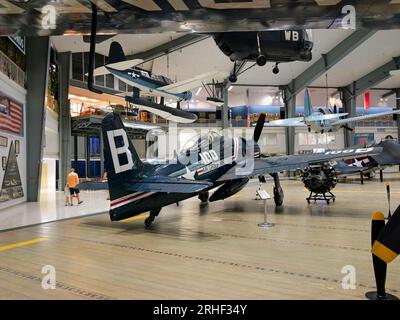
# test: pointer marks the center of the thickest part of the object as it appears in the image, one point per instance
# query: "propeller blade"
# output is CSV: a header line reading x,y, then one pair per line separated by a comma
x,y
259,126
387,245
347,128
380,266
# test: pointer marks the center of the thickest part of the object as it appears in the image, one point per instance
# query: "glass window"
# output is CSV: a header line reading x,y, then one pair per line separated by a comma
x,y
77,66
85,65
110,81
121,86
99,61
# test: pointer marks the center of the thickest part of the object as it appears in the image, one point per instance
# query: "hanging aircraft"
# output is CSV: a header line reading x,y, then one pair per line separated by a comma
x,y
154,85
208,162
321,121
260,47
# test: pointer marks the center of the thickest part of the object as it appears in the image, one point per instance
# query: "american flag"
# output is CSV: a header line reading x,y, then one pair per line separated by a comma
x,y
11,116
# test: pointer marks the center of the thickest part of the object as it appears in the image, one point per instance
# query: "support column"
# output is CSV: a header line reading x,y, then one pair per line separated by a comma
x,y
348,97
101,155
225,108
290,112
87,156
37,66
76,153
398,116
64,64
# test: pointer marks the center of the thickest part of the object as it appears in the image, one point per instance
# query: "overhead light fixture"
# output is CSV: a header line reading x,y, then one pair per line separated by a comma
x,y
230,88
268,100
198,91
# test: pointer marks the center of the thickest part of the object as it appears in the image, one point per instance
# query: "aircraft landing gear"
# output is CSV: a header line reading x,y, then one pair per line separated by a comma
x,y
261,60
153,214
275,70
278,191
233,78
204,196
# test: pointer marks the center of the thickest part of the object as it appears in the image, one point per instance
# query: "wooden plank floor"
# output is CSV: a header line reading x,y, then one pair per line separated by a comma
x,y
213,251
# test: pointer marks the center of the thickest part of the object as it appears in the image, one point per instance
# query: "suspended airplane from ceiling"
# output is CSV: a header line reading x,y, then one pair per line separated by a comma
x,y
43,17
260,47
154,85
214,161
320,121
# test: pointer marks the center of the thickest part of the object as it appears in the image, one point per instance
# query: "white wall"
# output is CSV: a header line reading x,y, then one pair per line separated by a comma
x,y
51,138
51,151
15,92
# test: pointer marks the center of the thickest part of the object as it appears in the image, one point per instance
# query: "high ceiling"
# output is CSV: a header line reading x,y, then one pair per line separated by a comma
x,y
205,56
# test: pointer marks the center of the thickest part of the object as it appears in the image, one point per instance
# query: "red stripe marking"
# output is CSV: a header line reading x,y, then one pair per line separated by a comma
x,y
9,129
10,124
130,198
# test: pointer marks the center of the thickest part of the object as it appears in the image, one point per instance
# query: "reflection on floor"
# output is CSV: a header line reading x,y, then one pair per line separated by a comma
x,y
206,251
52,207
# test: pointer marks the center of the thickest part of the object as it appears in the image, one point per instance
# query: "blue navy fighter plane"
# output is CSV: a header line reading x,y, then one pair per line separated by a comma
x,y
210,161
154,85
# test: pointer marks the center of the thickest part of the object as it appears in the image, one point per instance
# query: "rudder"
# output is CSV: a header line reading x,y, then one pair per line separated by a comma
x,y
121,160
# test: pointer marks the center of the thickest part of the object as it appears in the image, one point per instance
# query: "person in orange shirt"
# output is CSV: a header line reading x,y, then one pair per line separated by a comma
x,y
73,182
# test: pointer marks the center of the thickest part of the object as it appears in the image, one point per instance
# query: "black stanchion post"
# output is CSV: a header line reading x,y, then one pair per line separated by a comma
x,y
388,198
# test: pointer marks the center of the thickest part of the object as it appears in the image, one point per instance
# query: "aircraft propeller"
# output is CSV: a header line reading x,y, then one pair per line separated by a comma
x,y
259,126
346,127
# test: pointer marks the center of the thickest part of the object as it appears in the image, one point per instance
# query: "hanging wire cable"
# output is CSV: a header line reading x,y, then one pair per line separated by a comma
x,y
246,69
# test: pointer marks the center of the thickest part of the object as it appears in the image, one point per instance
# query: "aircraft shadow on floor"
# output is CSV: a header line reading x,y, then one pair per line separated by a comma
x,y
167,230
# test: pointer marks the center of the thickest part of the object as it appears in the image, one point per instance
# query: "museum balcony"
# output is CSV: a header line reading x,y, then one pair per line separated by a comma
x,y
11,70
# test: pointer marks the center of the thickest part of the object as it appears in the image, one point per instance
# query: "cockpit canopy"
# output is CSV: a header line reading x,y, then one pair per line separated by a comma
x,y
203,141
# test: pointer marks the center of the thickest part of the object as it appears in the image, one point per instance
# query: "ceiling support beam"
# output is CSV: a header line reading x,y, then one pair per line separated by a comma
x,y
327,61
350,92
388,94
168,47
374,77
349,106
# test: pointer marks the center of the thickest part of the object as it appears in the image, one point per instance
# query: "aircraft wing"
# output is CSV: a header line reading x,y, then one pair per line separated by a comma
x,y
369,116
262,166
168,184
189,84
291,122
122,65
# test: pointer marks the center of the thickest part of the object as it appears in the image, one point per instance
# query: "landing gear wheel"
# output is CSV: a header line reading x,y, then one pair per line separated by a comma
x,y
204,196
275,70
148,221
261,60
233,78
153,214
278,196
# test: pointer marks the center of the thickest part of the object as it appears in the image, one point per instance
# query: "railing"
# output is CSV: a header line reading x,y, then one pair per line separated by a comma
x,y
11,70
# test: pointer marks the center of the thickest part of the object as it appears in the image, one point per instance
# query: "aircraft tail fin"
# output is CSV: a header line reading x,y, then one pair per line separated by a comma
x,y
117,59
116,53
121,161
308,109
